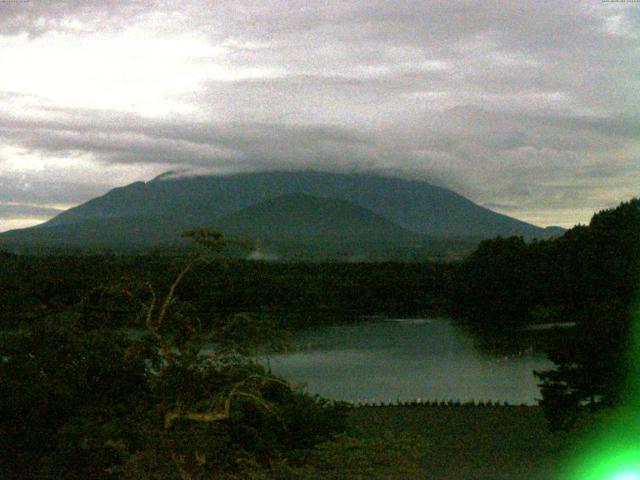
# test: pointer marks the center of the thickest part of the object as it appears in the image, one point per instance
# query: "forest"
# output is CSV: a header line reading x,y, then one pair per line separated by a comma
x,y
33,287
79,398
589,276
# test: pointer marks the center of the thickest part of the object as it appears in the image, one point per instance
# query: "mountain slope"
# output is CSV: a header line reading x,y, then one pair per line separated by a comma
x,y
415,205
127,233
301,217
290,224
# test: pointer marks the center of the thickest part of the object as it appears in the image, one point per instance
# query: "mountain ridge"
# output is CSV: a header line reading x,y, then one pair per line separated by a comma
x,y
154,211
387,196
298,216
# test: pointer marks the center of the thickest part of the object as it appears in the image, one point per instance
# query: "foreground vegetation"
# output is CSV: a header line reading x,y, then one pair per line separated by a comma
x,y
81,401
92,404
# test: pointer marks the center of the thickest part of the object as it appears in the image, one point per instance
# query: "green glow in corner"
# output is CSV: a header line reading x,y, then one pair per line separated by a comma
x,y
627,475
613,450
619,462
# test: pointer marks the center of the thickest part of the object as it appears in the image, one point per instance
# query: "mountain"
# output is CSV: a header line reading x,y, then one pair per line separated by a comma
x,y
120,233
301,217
294,225
302,206
306,227
415,205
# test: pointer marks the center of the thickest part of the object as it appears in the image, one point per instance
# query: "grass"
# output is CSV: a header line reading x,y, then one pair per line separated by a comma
x,y
470,443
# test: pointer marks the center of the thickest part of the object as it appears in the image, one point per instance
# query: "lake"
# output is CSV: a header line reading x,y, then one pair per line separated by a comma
x,y
387,360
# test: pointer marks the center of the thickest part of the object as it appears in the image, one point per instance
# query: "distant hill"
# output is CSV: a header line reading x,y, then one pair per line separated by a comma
x,y
301,217
305,226
299,207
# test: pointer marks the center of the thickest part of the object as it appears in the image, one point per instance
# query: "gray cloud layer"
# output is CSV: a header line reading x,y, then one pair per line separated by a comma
x,y
530,107
16,210
37,17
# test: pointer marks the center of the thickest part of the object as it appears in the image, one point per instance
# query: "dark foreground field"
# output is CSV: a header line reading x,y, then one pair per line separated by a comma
x,y
467,443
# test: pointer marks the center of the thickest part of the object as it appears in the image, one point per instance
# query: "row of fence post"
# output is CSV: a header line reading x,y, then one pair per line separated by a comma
x,y
419,402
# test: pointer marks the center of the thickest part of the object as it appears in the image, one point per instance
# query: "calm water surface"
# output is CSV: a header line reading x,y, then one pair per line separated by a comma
x,y
387,360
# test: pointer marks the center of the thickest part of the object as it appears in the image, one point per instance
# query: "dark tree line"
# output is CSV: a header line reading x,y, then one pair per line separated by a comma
x,y
33,287
589,276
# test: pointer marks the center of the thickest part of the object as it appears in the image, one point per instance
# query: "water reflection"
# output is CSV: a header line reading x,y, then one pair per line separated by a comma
x,y
395,359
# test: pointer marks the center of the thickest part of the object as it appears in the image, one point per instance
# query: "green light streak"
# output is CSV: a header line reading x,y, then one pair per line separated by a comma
x,y
612,451
608,445
627,475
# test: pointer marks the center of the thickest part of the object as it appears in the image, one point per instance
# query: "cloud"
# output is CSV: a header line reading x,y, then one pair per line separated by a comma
x,y
39,190
17,210
17,215
528,106
34,17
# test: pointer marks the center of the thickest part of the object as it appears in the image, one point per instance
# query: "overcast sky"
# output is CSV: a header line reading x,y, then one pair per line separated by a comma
x,y
528,107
